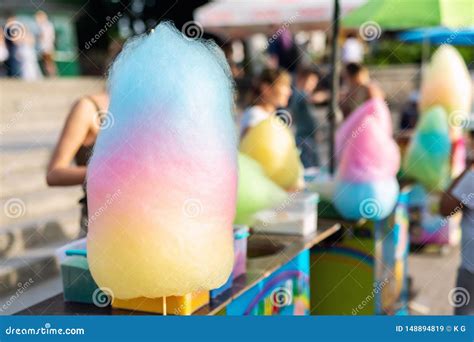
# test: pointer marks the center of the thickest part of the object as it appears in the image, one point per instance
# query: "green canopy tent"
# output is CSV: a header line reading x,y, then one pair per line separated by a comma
x,y
394,15
406,14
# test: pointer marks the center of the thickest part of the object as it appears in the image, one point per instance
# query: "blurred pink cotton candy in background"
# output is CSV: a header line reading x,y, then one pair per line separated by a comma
x,y
371,110
369,159
365,145
171,155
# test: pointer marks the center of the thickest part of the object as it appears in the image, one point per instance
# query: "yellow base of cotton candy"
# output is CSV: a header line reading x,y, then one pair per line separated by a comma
x,y
175,305
272,144
135,261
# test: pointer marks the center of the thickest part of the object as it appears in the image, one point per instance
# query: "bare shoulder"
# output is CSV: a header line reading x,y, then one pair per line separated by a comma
x,y
101,100
83,110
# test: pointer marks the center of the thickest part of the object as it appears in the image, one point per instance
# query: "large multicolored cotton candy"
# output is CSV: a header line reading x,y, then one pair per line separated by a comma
x,y
446,82
428,155
366,185
163,177
255,192
272,144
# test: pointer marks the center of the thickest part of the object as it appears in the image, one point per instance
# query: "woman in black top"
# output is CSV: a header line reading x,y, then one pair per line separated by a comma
x,y
76,144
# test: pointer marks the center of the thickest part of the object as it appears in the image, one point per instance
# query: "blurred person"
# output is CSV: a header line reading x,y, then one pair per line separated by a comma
x,y
352,50
12,32
460,197
76,144
271,91
3,53
29,67
301,107
236,70
283,50
46,38
409,114
358,88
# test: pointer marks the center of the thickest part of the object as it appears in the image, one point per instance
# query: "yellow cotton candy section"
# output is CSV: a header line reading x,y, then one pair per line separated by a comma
x,y
184,256
272,144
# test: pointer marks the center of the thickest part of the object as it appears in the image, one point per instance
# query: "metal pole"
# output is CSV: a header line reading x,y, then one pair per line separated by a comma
x,y
335,71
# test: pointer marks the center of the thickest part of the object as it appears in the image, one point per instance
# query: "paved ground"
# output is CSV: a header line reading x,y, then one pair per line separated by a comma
x,y
434,275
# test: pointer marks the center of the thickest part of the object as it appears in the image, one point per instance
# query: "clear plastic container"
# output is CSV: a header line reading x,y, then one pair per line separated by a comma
x,y
296,216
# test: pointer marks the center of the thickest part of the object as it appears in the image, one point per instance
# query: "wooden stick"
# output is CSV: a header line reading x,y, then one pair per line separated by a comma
x,y
164,306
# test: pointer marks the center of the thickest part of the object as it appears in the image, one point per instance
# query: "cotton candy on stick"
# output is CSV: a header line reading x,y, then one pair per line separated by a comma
x,y
255,191
366,184
446,82
171,158
428,155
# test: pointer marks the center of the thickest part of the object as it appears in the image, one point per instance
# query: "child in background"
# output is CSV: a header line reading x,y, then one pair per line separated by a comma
x,y
271,92
460,196
358,88
303,117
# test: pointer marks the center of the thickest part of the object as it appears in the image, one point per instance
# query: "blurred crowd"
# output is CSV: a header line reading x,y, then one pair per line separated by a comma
x,y
25,52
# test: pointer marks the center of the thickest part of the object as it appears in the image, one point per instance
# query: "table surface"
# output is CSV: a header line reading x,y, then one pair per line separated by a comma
x,y
259,266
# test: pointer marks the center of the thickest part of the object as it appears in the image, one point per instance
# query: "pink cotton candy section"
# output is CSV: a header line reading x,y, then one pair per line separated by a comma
x,y
369,153
371,110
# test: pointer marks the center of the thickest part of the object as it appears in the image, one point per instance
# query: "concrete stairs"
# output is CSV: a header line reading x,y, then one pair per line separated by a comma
x,y
34,219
